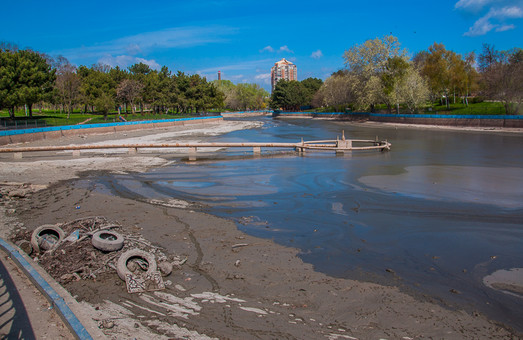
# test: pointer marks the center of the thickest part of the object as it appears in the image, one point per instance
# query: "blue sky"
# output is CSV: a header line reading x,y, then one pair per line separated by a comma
x,y
243,39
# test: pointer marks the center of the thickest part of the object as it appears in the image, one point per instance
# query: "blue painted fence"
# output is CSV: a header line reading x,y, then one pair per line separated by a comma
x,y
90,126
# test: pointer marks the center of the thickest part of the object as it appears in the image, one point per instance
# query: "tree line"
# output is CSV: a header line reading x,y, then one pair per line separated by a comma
x,y
294,95
28,77
379,73
243,96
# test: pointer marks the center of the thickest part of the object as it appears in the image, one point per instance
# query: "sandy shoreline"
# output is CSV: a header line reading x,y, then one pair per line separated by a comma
x,y
436,127
259,290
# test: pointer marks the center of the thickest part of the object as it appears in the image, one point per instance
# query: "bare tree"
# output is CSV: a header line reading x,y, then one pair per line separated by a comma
x,y
338,90
502,77
67,84
129,90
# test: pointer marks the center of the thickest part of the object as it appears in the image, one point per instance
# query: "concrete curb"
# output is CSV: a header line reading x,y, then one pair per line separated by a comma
x,y
56,294
33,134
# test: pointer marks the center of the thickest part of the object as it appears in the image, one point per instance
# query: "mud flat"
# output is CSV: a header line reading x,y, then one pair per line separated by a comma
x,y
232,286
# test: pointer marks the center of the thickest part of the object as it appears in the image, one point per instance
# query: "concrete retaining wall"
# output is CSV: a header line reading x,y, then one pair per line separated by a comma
x,y
29,135
507,121
246,113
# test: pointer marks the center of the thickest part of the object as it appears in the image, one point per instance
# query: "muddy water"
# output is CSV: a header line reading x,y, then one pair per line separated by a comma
x,y
436,215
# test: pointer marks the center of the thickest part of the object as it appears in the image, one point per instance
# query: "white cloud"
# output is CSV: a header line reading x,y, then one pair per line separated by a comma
x,y
237,77
285,49
267,48
481,27
495,19
505,28
247,65
264,77
125,61
316,54
512,12
133,49
178,37
474,4
282,49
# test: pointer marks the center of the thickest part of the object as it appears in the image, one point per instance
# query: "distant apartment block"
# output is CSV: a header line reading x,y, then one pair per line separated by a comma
x,y
283,69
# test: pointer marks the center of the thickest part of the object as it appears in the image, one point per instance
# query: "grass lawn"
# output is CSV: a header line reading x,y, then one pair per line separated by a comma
x,y
483,108
51,118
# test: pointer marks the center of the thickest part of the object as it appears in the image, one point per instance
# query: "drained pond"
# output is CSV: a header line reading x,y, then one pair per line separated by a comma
x,y
440,215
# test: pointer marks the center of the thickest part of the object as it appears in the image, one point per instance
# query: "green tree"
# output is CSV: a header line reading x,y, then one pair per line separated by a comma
x,y
104,103
472,77
36,78
446,72
369,62
435,69
140,68
289,95
250,96
26,78
228,90
372,56
243,96
311,86
338,91
144,75
395,71
412,90
9,85
98,87
162,87
181,89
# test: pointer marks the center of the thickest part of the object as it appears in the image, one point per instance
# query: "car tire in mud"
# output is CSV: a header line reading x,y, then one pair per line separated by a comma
x,y
46,237
107,240
25,246
121,265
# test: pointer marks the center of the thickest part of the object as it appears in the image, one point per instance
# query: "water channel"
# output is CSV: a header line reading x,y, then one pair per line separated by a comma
x,y
436,215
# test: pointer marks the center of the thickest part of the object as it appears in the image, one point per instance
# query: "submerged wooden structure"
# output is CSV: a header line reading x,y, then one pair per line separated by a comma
x,y
337,145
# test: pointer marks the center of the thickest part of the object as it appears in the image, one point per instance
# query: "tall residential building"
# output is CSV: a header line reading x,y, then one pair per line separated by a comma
x,y
283,69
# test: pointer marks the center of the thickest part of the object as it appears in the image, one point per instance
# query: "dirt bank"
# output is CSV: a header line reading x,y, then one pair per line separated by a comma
x,y
232,286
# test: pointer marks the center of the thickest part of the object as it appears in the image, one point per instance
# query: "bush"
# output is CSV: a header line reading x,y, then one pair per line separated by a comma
x,y
476,100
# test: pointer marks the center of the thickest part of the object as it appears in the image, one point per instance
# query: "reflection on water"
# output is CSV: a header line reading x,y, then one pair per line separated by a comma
x,y
502,187
439,212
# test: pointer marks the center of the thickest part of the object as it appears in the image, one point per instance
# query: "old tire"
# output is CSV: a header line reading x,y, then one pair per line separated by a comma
x,y
121,265
107,240
46,237
25,246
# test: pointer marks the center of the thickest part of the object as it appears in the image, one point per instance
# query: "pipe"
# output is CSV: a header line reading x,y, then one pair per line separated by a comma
x,y
317,145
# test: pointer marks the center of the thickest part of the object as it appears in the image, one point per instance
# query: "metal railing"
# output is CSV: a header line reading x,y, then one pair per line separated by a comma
x,y
22,124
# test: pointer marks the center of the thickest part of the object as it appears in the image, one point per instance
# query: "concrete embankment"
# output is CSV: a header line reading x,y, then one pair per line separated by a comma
x,y
30,135
246,114
497,121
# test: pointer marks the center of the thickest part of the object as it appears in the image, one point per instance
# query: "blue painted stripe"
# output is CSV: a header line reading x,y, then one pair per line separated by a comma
x,y
74,324
239,112
90,126
436,116
389,115
312,113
